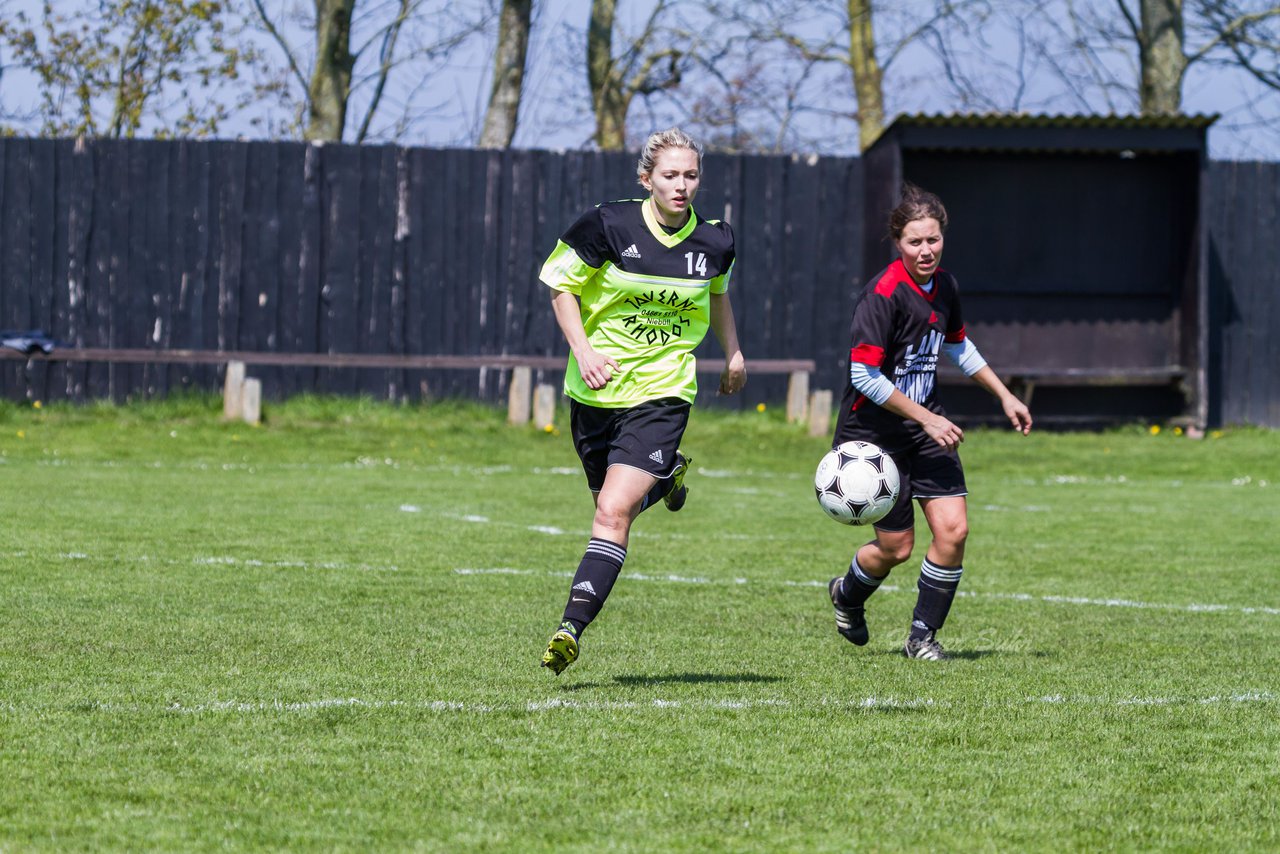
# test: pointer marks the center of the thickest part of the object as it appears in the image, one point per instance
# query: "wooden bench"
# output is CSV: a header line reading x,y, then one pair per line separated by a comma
x,y
520,393
1024,381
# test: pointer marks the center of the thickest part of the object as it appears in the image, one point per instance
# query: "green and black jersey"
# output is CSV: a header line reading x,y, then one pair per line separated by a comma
x,y
645,295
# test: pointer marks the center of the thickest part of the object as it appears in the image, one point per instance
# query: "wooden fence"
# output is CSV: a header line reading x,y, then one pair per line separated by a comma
x,y
303,248
1244,288
345,249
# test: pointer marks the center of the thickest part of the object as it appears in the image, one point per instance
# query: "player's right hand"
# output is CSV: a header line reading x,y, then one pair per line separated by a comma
x,y
944,432
597,369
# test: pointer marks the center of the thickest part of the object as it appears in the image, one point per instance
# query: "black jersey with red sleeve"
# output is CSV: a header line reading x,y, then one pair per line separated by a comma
x,y
899,328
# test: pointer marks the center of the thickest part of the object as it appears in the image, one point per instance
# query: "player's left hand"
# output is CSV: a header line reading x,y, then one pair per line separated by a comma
x,y
734,375
1018,414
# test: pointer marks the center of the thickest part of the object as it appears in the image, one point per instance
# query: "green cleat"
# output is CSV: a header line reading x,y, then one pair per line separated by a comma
x,y
562,650
676,495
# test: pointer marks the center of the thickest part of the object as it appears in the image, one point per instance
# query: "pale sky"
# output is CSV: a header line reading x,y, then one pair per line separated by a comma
x,y
556,114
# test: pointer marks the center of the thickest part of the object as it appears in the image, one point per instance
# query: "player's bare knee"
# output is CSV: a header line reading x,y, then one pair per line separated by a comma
x,y
899,554
613,516
895,549
953,534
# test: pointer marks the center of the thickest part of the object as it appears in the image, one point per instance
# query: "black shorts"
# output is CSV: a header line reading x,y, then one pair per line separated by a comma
x,y
927,470
644,437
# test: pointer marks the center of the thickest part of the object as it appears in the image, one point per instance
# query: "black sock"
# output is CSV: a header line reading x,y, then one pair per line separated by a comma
x,y
655,493
592,582
937,588
857,585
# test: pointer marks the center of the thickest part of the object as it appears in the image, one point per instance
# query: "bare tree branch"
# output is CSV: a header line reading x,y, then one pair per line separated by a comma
x,y
280,40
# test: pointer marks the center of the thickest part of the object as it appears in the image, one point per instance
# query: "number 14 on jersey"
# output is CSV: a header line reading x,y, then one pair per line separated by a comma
x,y
699,266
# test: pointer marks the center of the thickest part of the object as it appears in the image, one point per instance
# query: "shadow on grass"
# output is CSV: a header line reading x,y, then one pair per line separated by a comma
x,y
678,679
975,654
695,679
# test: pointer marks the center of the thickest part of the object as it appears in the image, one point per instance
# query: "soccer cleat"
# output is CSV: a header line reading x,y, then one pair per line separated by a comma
x,y
925,648
676,495
851,621
562,649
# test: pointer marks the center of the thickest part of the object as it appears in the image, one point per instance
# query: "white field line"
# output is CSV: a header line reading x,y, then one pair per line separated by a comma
x,y
369,462
1192,608
210,560
250,563
551,705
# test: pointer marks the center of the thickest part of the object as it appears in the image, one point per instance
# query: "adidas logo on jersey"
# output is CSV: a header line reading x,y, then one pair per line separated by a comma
x,y
631,252
656,456
585,587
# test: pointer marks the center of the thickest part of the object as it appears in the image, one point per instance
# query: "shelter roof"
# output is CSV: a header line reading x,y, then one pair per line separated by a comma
x,y
1032,132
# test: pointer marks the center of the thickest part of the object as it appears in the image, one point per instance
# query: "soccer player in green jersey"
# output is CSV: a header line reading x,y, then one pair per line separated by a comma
x,y
636,284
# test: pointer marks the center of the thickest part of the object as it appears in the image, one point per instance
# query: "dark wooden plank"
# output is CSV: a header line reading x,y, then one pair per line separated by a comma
x,y
516,256
757,239
98,382
377,264
144,158
1245,382
157,273
341,204
1236,391
43,181
260,255
476,263
13,202
181,256
291,159
424,254
550,221
122,288
1266,223
801,257
59,193
80,167
26,294
232,166
310,261
454,290
397,303
725,174
839,275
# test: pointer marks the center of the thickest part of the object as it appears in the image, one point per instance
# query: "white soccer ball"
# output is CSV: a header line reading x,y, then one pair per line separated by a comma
x,y
856,483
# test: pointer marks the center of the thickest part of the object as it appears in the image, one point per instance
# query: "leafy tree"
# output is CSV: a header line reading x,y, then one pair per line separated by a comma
x,y
122,67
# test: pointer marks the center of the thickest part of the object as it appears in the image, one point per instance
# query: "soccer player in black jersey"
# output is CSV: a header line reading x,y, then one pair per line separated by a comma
x,y
907,315
636,285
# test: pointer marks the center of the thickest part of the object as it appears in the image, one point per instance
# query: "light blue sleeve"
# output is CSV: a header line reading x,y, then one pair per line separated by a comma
x,y
869,382
964,354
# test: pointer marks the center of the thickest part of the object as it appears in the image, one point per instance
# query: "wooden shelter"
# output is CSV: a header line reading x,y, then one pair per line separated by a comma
x,y
1080,247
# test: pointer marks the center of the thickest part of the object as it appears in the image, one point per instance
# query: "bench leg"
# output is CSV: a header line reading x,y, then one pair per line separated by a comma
x,y
520,395
820,413
251,410
233,391
544,406
797,396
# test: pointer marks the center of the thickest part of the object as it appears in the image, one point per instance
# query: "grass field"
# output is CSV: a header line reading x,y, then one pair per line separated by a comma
x,y
324,633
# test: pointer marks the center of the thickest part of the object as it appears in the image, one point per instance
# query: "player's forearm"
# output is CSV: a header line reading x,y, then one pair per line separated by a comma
x,y
568,314
988,379
904,407
725,327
